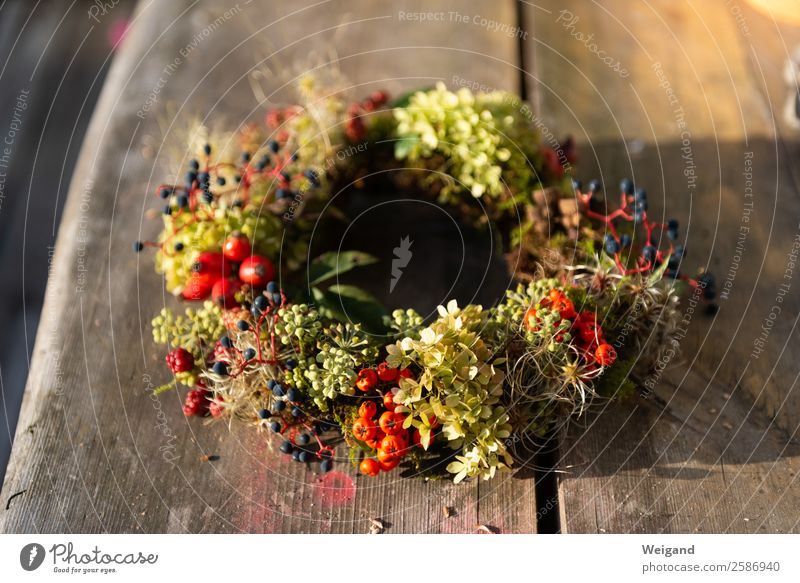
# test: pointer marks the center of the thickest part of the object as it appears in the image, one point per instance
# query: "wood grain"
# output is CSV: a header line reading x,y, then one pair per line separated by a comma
x,y
93,452
686,122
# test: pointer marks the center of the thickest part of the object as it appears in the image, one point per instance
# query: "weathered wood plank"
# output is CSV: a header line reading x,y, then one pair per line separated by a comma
x,y
683,115
93,452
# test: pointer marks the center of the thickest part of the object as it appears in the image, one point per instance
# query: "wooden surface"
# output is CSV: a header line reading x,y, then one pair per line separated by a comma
x,y
710,450
713,449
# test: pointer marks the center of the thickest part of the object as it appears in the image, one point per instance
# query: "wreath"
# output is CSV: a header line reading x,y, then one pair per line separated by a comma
x,y
271,338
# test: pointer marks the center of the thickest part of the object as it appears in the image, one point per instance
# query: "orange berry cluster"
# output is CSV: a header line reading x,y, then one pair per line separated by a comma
x,y
378,426
587,333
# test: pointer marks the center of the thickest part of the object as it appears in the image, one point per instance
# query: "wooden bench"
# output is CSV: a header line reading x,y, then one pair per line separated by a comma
x,y
710,449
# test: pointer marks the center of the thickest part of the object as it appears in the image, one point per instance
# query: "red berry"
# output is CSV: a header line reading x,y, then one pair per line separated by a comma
x,y
197,288
388,401
212,266
386,373
196,403
215,407
605,354
256,270
180,360
236,247
406,374
379,97
367,410
391,423
224,292
367,378
369,467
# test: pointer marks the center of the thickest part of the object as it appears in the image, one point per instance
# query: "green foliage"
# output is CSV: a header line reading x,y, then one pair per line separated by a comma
x,y
461,385
484,139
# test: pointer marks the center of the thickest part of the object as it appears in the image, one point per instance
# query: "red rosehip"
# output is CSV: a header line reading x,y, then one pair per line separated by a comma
x,y
236,247
367,410
605,354
211,265
386,373
391,423
197,288
256,270
367,378
388,401
379,97
224,292
215,407
196,403
180,360
369,467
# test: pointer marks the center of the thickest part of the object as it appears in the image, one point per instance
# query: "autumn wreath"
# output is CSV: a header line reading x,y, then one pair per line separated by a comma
x,y
272,340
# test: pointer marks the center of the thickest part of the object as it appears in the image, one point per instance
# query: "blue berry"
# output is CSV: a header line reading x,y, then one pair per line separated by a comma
x,y
237,178
638,216
275,426
220,368
626,186
304,457
164,193
640,194
260,302
271,384
294,157
296,455
282,193
207,197
612,247
302,439
263,413
312,177
293,395
278,391
191,176
243,325
194,164
138,246
649,253
272,287
182,201
296,411
276,298
262,163
178,247
679,251
287,447
291,364
595,186
203,177
279,406
226,342
245,156
274,146
325,466
577,184
250,354
221,180
625,240
207,149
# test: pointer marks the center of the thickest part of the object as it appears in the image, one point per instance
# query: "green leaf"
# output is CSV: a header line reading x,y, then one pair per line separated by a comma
x,y
348,302
332,264
658,273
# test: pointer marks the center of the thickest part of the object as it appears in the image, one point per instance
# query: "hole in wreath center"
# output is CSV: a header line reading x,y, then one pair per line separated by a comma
x,y
426,254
